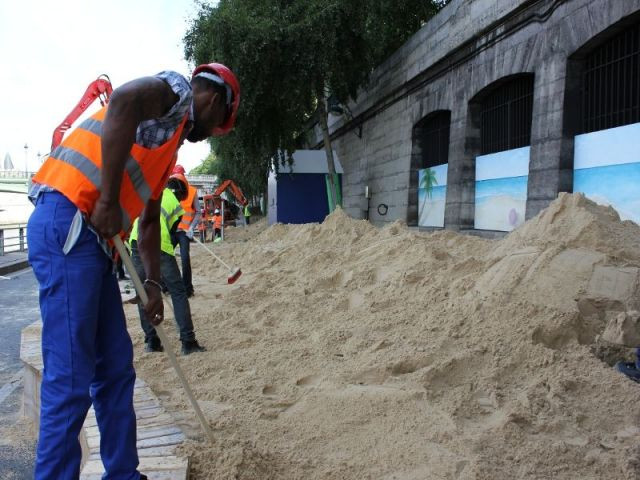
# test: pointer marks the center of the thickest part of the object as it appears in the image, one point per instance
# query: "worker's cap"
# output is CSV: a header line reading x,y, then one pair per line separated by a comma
x,y
178,169
217,211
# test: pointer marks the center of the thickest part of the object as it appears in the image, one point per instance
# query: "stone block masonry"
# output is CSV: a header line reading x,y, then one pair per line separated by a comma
x,y
469,46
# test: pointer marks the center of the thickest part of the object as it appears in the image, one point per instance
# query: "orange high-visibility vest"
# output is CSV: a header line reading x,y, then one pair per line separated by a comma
x,y
189,211
217,221
74,169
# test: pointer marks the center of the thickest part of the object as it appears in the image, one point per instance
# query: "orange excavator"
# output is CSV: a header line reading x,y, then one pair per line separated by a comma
x,y
213,201
101,89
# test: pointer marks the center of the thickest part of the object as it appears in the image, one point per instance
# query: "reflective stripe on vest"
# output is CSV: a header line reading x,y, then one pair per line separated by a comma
x,y
74,169
171,211
172,217
90,171
189,211
131,166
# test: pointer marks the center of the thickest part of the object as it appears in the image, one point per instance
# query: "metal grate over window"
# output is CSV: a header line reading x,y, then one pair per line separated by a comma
x,y
611,83
506,116
435,139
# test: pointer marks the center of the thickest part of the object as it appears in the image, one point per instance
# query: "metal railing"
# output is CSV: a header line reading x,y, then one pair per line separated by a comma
x,y
610,83
202,178
18,174
13,238
434,139
506,116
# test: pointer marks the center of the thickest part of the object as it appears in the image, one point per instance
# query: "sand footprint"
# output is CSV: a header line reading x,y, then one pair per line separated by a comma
x,y
308,381
269,390
273,411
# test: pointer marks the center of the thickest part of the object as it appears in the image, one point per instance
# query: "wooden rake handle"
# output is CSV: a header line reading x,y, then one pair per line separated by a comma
x,y
214,255
168,348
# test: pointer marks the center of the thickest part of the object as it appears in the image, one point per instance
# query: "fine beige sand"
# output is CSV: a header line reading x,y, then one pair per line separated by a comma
x,y
350,352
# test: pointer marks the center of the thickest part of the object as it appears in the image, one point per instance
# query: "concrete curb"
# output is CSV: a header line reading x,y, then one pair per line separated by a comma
x,y
13,267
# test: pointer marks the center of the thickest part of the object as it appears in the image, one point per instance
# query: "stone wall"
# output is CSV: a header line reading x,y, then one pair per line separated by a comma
x,y
467,49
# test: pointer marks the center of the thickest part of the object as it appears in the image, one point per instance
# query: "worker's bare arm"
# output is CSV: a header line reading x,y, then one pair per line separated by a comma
x,y
130,104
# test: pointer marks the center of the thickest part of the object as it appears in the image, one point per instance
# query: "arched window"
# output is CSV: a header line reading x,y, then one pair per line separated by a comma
x,y
432,137
611,83
429,158
602,111
499,136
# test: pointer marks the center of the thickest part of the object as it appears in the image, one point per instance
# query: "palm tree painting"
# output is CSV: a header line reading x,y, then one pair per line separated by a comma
x,y
432,191
428,181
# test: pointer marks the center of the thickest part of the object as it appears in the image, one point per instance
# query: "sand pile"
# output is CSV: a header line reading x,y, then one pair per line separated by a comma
x,y
345,351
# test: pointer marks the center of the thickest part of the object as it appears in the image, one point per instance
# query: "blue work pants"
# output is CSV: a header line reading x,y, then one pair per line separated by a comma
x,y
86,349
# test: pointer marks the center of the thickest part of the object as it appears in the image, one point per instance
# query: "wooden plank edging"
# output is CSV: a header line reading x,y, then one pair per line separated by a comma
x,y
158,434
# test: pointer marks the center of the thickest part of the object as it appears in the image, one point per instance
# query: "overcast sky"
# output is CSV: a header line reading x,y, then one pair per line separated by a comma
x,y
51,50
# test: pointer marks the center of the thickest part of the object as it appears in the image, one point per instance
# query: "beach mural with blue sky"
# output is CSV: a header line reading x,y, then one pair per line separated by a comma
x,y
501,189
607,169
432,195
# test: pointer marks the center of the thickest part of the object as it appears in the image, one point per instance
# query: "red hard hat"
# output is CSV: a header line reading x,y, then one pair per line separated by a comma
x,y
178,169
180,177
230,79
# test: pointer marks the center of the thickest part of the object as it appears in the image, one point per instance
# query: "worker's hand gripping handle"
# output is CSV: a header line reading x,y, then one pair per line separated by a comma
x,y
137,283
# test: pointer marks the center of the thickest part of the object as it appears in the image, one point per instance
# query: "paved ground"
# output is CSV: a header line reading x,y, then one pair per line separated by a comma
x,y
18,308
12,262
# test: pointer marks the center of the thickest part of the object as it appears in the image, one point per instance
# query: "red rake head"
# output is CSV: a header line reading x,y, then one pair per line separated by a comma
x,y
234,276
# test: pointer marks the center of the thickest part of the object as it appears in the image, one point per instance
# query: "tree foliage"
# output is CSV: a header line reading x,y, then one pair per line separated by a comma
x,y
288,56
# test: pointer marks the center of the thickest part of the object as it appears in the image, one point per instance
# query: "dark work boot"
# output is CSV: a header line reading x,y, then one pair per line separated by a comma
x,y
153,344
191,346
143,477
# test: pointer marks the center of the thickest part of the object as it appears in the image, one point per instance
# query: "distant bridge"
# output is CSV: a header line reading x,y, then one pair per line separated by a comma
x,y
14,181
204,183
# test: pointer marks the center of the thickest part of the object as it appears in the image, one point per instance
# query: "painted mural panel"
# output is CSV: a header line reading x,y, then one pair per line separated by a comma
x,y
432,195
607,169
501,189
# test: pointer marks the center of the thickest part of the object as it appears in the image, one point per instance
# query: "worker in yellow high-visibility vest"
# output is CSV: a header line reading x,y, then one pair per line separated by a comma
x,y
171,212
247,214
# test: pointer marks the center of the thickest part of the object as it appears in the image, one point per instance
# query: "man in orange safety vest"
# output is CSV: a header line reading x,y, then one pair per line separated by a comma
x,y
109,170
184,234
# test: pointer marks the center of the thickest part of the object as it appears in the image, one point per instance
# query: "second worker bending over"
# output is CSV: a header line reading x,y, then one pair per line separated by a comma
x,y
171,212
